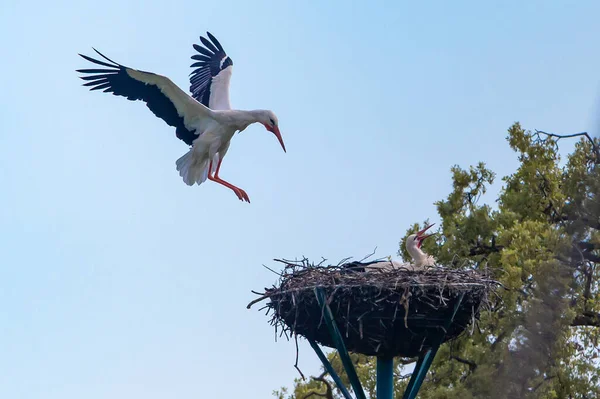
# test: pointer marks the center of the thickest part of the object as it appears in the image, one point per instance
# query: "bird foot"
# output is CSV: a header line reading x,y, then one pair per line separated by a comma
x,y
241,194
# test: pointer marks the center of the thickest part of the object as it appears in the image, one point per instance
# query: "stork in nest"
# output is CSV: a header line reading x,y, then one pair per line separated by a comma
x,y
413,243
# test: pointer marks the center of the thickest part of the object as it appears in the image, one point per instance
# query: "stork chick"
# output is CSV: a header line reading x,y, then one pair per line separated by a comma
x,y
413,246
413,243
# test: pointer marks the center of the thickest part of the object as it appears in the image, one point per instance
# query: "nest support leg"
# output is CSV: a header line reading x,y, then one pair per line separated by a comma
x,y
385,378
426,358
336,378
385,366
339,344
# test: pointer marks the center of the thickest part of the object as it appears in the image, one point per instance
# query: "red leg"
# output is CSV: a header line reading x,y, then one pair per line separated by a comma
x,y
224,183
241,194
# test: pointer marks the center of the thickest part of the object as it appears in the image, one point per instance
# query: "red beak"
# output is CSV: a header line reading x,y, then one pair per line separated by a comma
x,y
422,237
277,133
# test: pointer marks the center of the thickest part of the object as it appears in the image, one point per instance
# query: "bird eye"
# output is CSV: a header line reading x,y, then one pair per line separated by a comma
x,y
272,122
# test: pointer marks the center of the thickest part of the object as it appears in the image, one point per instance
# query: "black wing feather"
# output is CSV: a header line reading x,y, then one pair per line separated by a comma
x,y
90,59
200,57
209,45
212,60
100,87
203,50
117,81
215,41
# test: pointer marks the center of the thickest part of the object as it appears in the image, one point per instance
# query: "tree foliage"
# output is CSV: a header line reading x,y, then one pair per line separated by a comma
x,y
541,240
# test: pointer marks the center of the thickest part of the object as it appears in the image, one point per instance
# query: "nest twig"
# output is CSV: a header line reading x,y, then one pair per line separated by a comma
x,y
382,313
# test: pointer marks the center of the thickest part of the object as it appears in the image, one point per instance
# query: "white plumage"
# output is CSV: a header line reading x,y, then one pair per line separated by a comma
x,y
421,260
219,98
204,120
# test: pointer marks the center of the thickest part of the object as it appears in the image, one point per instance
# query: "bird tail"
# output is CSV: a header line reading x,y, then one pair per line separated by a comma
x,y
193,169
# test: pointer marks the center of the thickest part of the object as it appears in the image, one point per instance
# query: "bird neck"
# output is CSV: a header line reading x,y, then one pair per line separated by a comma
x,y
416,253
246,118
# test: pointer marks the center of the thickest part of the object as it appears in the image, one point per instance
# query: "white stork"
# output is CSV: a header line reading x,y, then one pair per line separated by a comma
x,y
205,129
413,244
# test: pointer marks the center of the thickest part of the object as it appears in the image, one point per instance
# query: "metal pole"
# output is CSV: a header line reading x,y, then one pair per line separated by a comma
x,y
336,378
426,358
339,344
385,378
419,373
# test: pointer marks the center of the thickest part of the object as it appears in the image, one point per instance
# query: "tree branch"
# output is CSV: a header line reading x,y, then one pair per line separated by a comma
x,y
567,136
590,319
587,246
329,389
481,249
499,339
587,291
472,365
539,384
591,257
593,224
315,393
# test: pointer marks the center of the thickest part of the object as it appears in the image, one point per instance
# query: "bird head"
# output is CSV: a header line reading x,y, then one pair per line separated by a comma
x,y
269,121
414,241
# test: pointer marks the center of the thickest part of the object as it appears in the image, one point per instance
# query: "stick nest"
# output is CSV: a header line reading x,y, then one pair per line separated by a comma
x,y
379,313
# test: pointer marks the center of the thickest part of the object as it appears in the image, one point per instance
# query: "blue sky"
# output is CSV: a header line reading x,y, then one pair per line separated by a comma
x,y
117,280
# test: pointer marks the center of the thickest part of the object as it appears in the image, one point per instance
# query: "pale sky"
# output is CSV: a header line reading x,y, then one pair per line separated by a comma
x,y
119,281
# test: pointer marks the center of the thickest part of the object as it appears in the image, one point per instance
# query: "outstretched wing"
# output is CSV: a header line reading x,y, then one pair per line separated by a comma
x,y
209,82
163,97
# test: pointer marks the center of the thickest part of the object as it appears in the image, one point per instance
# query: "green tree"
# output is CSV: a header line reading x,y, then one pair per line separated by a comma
x,y
542,242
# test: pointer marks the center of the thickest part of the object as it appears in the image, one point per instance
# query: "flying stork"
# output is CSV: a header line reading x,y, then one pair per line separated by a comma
x,y
204,120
